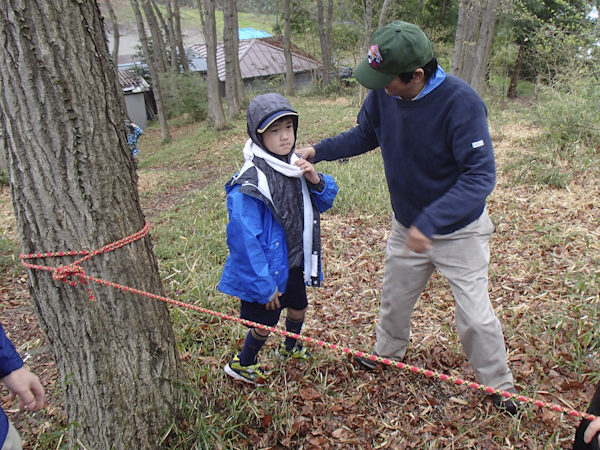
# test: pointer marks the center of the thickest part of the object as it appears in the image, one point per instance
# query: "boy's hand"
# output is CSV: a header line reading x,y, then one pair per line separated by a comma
x,y
307,153
309,171
274,303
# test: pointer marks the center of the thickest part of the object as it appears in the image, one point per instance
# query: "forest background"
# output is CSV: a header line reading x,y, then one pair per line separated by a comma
x,y
543,276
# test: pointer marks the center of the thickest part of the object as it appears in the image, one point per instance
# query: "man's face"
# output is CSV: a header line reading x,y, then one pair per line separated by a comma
x,y
279,137
409,90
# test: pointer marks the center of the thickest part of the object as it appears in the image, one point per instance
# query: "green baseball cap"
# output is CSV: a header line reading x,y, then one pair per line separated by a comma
x,y
397,48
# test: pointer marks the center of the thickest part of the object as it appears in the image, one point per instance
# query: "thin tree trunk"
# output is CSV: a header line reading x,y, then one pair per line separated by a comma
x,y
115,57
323,39
238,72
484,44
74,187
165,32
164,126
384,11
289,68
463,55
362,92
158,44
215,108
177,17
514,75
172,39
231,59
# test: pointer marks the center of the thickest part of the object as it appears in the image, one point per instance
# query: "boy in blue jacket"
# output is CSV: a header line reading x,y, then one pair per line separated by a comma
x,y
273,232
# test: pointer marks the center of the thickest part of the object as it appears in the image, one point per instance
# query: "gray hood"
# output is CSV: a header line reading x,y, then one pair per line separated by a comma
x,y
261,107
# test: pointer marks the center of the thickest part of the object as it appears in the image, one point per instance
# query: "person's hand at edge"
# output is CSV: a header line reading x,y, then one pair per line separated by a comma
x,y
307,153
27,387
592,429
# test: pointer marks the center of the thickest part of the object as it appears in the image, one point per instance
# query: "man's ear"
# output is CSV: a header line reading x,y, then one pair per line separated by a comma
x,y
418,75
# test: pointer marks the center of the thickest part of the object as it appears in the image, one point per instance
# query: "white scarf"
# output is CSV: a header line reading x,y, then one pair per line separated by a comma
x,y
311,262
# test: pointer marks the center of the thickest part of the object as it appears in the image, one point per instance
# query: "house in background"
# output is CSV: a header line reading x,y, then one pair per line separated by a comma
x,y
139,99
261,60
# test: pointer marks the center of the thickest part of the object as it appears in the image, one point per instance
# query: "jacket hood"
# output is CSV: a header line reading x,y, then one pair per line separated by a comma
x,y
263,106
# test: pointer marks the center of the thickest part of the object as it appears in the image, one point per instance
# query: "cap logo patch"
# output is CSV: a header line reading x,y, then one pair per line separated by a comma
x,y
375,58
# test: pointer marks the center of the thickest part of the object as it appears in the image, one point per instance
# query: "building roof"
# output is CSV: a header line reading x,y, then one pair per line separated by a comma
x,y
131,82
251,33
260,58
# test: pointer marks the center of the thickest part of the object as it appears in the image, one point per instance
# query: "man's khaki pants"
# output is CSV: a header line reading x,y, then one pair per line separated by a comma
x,y
462,257
13,440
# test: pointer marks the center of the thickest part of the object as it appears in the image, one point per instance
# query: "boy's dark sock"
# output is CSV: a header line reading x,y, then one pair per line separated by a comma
x,y
252,346
293,326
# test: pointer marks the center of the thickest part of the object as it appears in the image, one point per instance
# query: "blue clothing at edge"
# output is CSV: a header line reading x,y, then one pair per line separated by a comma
x,y
258,258
9,362
437,153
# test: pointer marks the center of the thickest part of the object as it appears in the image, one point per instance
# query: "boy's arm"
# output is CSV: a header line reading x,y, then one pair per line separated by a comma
x,y
324,198
247,254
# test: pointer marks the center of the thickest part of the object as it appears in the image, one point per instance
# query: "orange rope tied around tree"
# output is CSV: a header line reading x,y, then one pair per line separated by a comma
x,y
66,273
73,273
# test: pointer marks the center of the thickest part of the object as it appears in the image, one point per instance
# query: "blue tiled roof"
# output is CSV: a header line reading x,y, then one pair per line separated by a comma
x,y
251,33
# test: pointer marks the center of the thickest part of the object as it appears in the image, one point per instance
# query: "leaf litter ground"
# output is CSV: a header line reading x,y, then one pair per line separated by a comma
x,y
544,276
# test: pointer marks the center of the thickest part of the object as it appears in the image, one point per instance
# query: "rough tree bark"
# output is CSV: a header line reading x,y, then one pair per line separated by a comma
x,y
515,72
115,57
484,44
362,91
289,68
324,25
230,29
74,187
215,108
179,35
162,119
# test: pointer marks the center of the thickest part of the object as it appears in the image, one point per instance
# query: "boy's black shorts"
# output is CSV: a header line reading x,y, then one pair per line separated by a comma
x,y
294,298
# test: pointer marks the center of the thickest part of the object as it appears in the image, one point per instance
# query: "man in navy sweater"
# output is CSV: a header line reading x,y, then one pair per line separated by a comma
x,y
20,382
439,165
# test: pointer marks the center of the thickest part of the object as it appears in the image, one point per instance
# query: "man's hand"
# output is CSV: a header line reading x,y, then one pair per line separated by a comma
x,y
417,241
27,387
592,429
307,153
274,303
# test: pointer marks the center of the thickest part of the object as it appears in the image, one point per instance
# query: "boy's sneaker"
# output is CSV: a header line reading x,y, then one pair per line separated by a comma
x,y
299,352
506,404
252,374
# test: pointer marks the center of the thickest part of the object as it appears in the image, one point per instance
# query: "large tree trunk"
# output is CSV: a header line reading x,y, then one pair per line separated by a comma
x,y
324,25
162,119
215,108
74,187
230,29
115,57
179,35
287,52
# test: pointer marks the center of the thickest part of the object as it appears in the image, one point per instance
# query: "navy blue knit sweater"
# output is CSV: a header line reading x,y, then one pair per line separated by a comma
x,y
437,154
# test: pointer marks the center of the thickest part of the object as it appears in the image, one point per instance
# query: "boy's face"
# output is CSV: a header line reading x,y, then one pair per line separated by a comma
x,y
279,137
